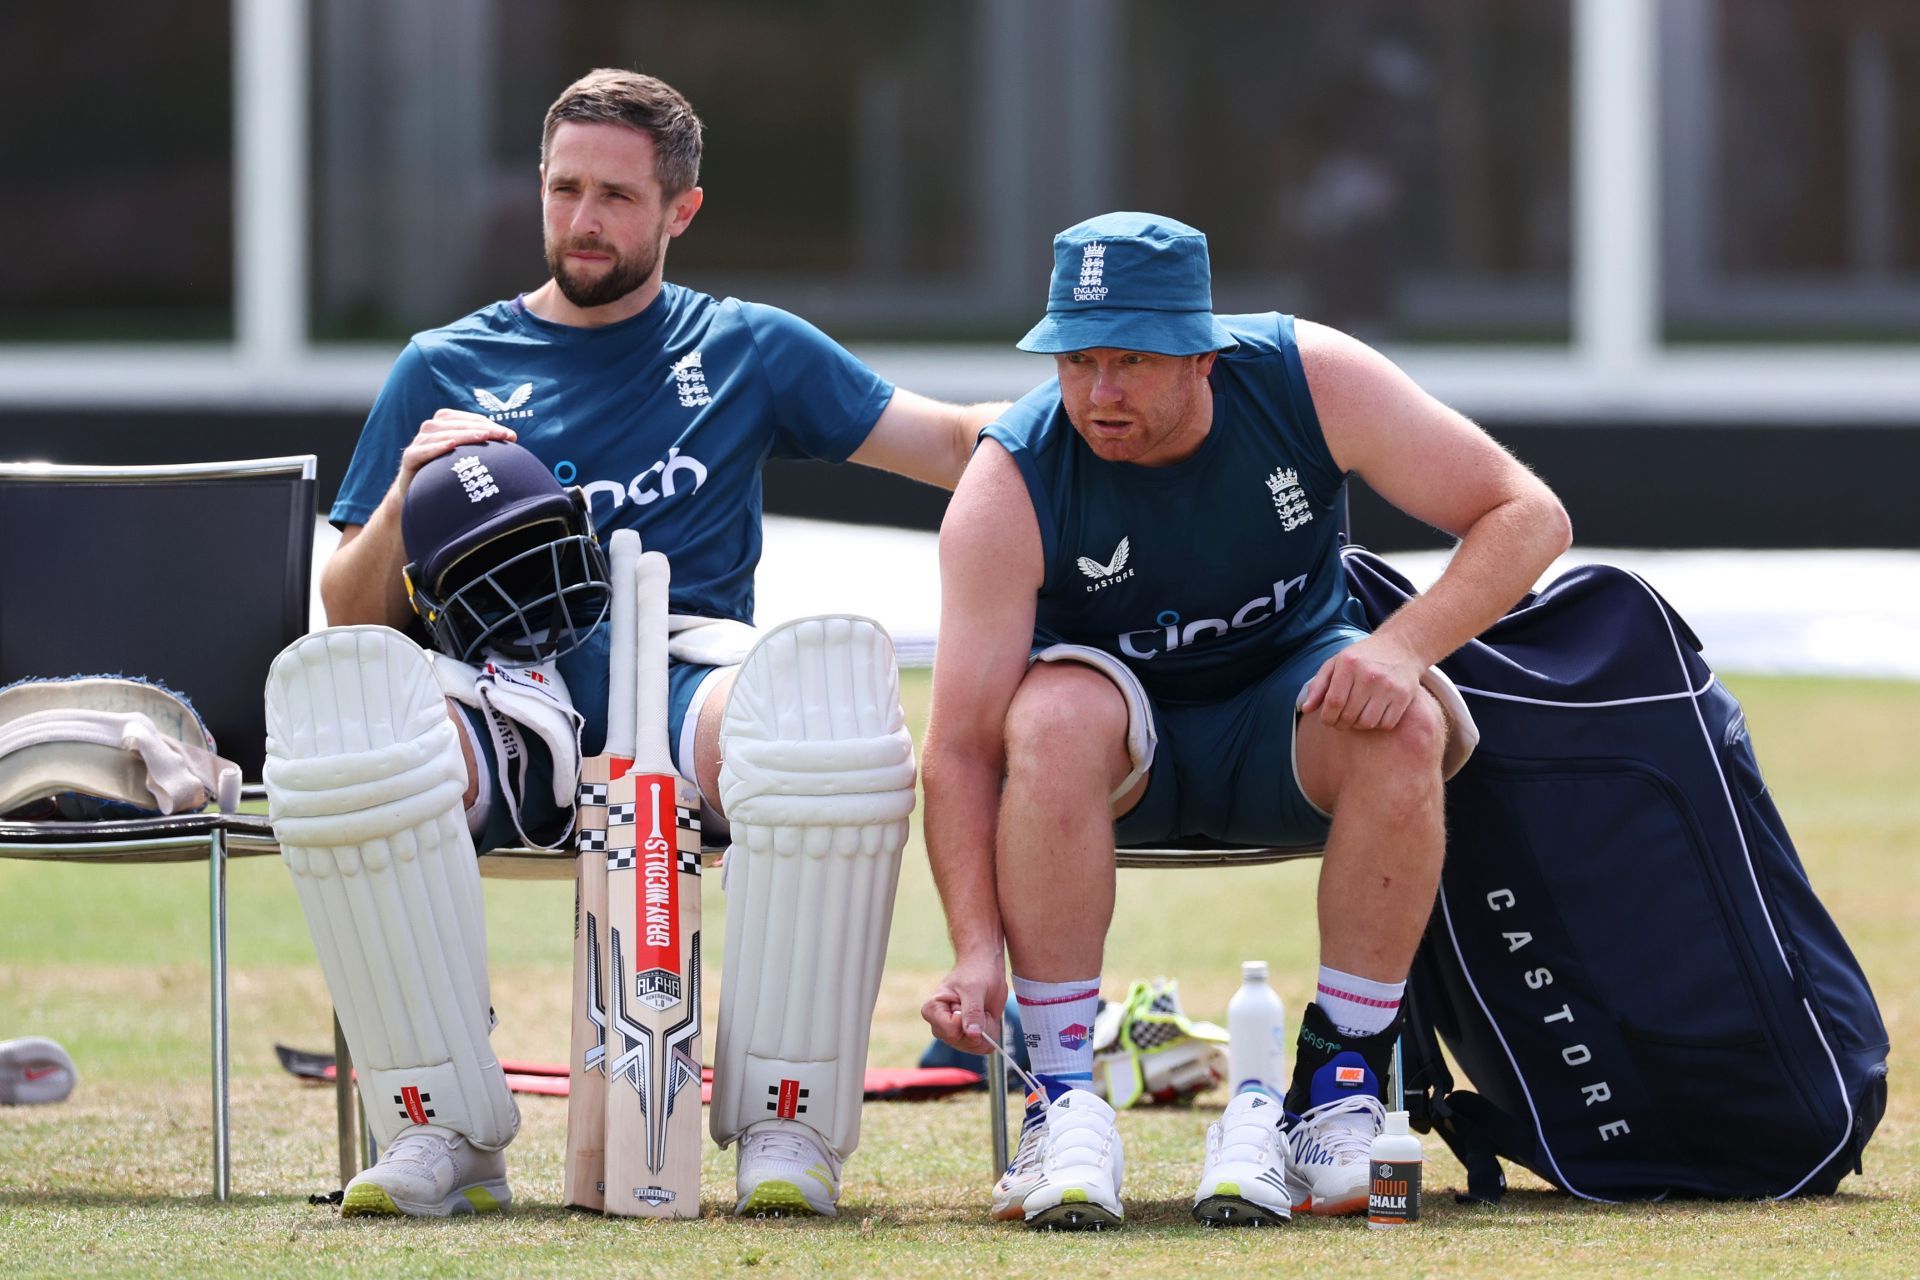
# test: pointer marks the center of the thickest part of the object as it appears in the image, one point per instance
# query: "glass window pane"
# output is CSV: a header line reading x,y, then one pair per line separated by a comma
x,y
118,155
1791,170
830,170
897,171
1400,170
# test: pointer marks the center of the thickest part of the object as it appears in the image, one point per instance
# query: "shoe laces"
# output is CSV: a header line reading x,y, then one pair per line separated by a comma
x,y
1343,1129
1076,1141
1034,1087
1057,1145
419,1148
1250,1135
783,1144
1027,1157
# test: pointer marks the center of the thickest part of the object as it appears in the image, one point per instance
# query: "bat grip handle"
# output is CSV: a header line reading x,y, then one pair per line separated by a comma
x,y
623,555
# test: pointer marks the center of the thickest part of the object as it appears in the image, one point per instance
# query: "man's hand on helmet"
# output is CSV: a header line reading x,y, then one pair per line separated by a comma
x,y
444,432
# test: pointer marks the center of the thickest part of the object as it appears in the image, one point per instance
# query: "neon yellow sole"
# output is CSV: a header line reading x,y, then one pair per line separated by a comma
x,y
775,1199
368,1200
481,1199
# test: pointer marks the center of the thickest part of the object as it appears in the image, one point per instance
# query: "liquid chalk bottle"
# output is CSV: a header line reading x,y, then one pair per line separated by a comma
x,y
1393,1184
1256,1034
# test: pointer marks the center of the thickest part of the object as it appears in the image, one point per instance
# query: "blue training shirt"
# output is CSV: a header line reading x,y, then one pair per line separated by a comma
x,y
664,419
1203,575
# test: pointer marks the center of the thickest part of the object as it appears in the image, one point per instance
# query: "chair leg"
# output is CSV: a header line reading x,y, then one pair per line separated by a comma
x,y
217,912
345,1125
997,1101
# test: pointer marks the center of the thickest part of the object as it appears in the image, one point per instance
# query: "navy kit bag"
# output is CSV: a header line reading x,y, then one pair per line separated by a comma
x,y
1626,958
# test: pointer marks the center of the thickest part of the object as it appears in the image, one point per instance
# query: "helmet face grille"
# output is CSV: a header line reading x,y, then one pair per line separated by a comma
x,y
533,605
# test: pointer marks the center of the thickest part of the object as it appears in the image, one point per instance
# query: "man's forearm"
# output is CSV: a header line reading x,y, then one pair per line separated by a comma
x,y
925,440
362,582
962,810
1497,562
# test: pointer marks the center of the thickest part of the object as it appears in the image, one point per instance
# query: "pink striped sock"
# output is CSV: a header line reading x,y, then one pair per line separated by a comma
x,y
1357,1006
1058,1019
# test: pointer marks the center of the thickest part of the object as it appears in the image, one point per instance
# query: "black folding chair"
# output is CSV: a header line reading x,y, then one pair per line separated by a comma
x,y
193,576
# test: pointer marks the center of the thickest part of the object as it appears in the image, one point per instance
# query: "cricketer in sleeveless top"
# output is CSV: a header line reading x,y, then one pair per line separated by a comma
x,y
1216,580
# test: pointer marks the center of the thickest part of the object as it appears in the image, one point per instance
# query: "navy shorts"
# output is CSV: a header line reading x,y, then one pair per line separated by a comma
x,y
1225,770
585,671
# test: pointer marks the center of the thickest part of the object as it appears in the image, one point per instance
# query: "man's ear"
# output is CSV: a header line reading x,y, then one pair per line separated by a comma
x,y
685,205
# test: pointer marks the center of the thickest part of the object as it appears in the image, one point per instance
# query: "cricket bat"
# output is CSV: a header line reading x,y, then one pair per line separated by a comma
x,y
587,1057
653,1118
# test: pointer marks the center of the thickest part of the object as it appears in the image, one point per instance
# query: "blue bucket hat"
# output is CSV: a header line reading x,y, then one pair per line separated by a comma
x,y
1135,281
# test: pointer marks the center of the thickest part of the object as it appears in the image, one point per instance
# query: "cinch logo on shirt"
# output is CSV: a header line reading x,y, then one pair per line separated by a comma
x,y
1169,635
497,409
661,480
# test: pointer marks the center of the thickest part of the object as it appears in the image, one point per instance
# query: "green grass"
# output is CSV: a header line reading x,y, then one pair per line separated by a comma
x,y
111,963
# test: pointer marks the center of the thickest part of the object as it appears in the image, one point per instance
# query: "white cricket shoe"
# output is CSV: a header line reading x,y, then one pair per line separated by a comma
x,y
429,1172
1080,1166
1328,1143
786,1171
1024,1174
1244,1183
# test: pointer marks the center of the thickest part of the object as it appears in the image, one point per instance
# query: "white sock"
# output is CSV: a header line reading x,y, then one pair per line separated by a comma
x,y
1357,1006
1058,1020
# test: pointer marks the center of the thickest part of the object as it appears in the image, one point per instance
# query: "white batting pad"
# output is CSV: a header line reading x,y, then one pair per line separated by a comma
x,y
817,781
364,785
709,642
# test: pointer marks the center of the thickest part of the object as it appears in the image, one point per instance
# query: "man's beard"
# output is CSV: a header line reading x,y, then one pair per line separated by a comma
x,y
622,275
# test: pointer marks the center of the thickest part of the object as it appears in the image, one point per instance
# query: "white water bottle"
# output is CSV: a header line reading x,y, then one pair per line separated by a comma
x,y
1393,1183
1256,1033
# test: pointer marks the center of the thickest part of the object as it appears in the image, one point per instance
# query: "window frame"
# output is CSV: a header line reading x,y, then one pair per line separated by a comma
x,y
1616,366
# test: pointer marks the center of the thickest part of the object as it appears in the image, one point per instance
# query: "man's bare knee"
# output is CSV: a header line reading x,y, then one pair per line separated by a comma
x,y
1064,713
1332,759
1421,735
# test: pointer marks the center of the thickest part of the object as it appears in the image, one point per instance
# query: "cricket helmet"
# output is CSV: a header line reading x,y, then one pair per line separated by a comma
x,y
503,563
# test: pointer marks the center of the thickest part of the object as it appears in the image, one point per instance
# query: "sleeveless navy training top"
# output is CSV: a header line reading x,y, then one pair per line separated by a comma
x,y
1203,575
